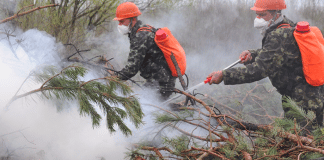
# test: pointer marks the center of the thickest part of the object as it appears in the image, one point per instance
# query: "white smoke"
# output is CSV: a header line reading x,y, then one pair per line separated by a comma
x,y
34,129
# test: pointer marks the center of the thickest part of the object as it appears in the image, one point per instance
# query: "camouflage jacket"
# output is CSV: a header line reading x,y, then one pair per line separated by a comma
x,y
279,59
145,56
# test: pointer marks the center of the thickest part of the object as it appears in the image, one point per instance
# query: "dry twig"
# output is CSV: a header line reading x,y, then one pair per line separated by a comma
x,y
27,12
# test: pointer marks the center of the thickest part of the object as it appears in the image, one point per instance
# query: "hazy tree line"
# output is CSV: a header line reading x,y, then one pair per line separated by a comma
x,y
72,19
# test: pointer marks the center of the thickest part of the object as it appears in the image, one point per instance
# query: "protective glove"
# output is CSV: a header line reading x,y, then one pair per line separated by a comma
x,y
245,56
216,77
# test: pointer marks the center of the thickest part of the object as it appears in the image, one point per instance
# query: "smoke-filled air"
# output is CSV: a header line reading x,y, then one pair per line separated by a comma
x,y
63,95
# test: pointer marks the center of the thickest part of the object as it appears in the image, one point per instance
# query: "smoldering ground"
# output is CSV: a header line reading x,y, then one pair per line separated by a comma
x,y
213,36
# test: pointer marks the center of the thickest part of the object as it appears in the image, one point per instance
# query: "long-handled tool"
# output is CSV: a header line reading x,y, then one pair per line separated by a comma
x,y
230,66
202,83
175,63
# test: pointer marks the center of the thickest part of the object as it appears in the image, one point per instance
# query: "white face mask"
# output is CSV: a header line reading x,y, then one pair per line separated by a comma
x,y
123,29
261,24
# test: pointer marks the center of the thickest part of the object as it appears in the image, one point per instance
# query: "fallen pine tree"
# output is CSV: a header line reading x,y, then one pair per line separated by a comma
x,y
228,138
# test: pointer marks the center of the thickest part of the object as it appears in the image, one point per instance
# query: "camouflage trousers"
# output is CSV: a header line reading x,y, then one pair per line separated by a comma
x,y
309,98
163,81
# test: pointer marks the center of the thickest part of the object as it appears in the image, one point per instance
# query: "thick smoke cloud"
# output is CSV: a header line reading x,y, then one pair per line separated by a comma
x,y
34,129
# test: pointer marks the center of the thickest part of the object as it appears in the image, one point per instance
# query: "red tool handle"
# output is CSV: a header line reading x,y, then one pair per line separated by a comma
x,y
208,80
244,57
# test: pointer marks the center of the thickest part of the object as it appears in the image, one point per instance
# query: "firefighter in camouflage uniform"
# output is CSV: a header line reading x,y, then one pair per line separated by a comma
x,y
145,56
279,59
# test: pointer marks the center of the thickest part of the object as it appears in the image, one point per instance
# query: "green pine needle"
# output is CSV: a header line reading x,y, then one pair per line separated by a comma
x,y
296,111
103,92
179,143
285,124
162,118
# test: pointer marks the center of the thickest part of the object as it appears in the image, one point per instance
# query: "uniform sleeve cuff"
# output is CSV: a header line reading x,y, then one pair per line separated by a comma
x,y
225,74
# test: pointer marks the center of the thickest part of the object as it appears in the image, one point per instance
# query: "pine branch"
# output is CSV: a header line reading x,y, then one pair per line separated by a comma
x,y
66,86
206,152
178,118
59,74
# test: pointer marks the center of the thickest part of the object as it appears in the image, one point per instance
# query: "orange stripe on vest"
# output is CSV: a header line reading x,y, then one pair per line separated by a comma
x,y
284,26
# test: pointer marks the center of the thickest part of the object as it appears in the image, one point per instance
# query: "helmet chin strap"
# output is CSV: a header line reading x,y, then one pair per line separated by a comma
x,y
131,24
273,18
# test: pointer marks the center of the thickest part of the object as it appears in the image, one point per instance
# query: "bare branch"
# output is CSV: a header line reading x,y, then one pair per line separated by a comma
x,y
27,12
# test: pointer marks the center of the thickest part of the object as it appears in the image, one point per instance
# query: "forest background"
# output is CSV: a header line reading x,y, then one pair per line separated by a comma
x,y
213,34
